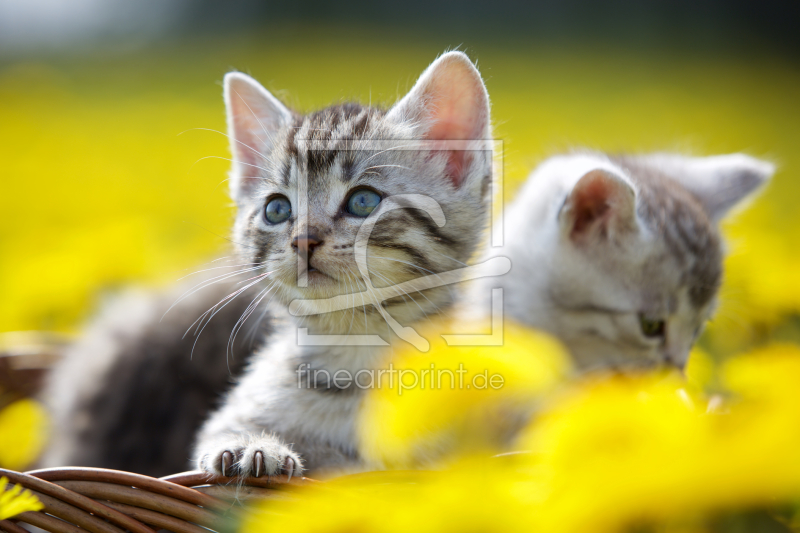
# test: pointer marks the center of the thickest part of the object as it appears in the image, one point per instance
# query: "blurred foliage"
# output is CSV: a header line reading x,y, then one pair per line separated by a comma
x,y
605,454
104,180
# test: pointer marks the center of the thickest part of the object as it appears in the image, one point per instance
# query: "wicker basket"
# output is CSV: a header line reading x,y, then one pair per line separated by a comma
x,y
25,359
99,500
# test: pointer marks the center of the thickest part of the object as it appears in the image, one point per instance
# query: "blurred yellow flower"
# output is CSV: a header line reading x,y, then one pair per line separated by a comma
x,y
474,495
607,455
622,451
700,370
458,398
22,433
16,500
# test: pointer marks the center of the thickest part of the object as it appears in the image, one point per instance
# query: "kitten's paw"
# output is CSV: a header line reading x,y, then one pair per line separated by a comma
x,y
252,456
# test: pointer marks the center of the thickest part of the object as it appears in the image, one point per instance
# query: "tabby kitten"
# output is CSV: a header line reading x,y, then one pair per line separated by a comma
x,y
620,257
304,184
129,395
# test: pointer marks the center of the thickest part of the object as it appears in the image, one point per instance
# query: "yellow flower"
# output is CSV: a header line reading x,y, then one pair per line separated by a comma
x,y
700,370
624,451
474,495
612,451
457,398
16,500
607,454
22,433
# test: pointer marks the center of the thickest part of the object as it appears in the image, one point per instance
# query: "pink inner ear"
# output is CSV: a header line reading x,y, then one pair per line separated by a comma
x,y
457,163
458,115
254,116
590,201
247,132
601,202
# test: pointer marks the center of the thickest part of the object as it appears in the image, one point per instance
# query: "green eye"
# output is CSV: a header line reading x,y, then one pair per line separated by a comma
x,y
362,203
652,328
278,209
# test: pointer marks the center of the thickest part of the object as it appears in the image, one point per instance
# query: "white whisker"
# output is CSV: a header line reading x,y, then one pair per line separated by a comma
x,y
207,283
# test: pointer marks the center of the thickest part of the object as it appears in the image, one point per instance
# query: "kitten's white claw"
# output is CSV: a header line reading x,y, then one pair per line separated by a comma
x,y
227,459
245,455
258,464
288,467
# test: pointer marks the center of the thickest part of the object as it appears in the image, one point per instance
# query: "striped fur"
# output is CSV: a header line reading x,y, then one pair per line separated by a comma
x,y
330,154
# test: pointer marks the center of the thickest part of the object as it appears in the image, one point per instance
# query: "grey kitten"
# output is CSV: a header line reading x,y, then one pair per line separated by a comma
x,y
620,257
304,185
351,160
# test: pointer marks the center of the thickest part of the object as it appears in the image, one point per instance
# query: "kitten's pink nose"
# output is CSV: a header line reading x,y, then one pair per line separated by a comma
x,y
305,244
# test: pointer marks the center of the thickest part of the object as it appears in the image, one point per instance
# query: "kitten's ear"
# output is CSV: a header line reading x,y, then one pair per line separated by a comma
x,y
720,182
601,205
254,118
450,102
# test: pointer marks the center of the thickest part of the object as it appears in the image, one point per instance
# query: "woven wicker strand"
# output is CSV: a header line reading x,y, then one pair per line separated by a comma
x,y
128,479
11,527
159,520
48,523
243,494
146,500
99,500
82,502
195,478
73,515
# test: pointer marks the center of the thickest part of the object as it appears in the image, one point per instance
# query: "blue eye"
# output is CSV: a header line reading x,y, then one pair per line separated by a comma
x,y
362,203
278,209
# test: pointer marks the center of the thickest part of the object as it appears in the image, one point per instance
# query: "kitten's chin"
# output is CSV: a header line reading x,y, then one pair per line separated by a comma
x,y
317,278
318,286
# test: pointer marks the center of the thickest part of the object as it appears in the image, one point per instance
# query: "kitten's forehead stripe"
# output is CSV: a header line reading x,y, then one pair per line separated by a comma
x,y
286,173
410,217
348,170
318,140
680,221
